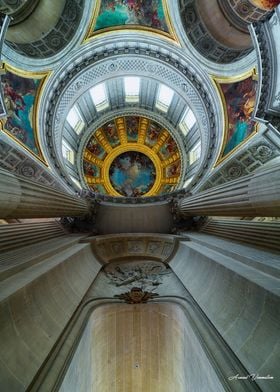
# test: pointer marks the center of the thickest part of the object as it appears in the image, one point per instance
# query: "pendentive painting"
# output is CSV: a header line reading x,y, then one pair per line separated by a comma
x,y
132,174
19,96
240,98
147,13
266,4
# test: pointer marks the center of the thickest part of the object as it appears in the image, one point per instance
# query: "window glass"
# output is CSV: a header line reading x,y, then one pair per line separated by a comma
x,y
165,96
188,121
99,97
132,88
74,118
194,153
67,152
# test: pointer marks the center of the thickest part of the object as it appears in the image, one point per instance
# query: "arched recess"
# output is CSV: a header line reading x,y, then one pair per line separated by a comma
x,y
139,324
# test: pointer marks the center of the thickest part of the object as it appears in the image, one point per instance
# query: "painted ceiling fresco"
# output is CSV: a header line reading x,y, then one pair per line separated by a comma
x,y
131,156
147,13
20,96
132,174
239,100
266,4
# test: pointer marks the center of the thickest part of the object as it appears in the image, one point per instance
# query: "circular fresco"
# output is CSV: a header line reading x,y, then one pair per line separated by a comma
x,y
131,156
132,173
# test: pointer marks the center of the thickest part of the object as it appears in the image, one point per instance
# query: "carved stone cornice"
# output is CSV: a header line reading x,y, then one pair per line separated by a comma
x,y
112,247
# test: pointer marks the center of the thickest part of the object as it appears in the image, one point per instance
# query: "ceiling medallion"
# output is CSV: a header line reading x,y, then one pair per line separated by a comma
x,y
131,156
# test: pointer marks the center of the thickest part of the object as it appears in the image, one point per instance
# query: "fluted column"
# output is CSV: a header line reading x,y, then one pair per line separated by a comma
x,y
22,198
257,194
265,234
241,13
16,235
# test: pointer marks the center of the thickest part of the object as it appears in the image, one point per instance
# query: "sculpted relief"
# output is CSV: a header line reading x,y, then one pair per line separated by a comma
x,y
146,275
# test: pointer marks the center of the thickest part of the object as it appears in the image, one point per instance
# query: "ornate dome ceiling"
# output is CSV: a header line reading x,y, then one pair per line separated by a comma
x,y
192,111
131,156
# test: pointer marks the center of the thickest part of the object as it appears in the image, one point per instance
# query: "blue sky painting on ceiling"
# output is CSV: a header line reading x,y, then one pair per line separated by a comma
x,y
132,174
148,13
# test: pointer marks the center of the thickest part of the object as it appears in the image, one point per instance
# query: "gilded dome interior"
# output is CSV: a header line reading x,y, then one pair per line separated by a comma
x,y
131,156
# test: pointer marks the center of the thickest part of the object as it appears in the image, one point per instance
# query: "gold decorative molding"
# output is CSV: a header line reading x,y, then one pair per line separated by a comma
x,y
162,139
94,180
143,127
91,158
117,144
121,128
100,136
126,148
175,157
170,180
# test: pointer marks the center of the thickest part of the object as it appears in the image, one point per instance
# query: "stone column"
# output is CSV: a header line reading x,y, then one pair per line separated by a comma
x,y
22,198
257,194
264,234
16,235
241,13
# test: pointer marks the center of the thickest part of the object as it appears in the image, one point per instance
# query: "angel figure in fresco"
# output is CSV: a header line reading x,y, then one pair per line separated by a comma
x,y
153,132
174,170
14,101
249,104
170,146
132,128
111,132
94,147
89,169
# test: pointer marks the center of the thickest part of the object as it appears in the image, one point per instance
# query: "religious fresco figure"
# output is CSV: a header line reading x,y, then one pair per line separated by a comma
x,y
132,174
240,98
19,97
148,13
